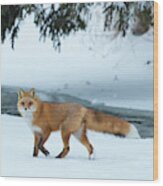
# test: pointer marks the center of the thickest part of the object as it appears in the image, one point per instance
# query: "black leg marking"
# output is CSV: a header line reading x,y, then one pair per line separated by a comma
x,y
35,152
40,146
62,154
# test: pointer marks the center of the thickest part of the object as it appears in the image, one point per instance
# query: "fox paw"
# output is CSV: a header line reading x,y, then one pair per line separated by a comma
x,y
91,156
35,155
47,153
59,156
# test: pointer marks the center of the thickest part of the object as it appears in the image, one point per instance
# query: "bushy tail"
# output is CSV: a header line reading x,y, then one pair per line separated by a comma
x,y
101,122
133,132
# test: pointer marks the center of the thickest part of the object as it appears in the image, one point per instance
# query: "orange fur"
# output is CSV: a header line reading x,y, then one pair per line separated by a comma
x,y
70,118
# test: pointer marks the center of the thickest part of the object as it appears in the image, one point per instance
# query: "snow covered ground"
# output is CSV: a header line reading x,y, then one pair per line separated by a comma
x,y
116,158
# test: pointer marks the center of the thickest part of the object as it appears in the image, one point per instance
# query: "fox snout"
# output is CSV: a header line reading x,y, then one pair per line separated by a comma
x,y
26,105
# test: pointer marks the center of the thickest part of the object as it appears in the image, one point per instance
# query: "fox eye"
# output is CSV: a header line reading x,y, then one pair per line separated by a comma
x,y
30,103
22,103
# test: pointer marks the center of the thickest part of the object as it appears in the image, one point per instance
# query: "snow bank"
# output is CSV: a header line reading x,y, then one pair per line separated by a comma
x,y
116,158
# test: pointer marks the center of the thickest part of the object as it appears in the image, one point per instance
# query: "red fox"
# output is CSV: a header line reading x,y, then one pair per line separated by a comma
x,y
70,118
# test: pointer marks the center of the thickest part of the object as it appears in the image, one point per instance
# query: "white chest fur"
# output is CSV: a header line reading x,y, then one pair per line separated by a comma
x,y
28,117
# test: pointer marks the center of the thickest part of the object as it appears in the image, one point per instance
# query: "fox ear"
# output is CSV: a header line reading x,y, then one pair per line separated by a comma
x,y
32,92
20,93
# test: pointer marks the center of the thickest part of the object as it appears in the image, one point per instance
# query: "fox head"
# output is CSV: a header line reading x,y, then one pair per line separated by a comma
x,y
27,101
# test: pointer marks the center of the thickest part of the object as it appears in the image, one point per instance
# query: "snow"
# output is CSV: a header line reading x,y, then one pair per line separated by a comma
x,y
92,65
116,158
116,68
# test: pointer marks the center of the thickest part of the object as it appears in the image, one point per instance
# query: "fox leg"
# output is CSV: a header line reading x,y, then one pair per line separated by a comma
x,y
84,140
39,142
66,148
82,137
41,148
35,150
45,138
